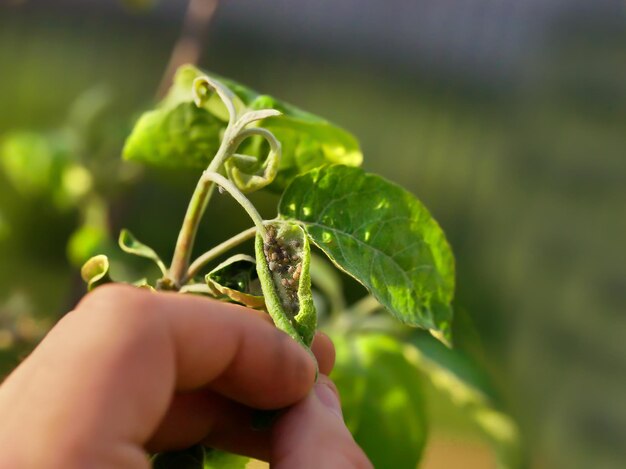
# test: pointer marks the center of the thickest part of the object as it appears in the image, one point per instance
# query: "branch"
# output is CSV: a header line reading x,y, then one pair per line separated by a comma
x,y
188,47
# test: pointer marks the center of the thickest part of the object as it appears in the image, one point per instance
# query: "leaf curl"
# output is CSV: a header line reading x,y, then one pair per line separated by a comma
x,y
247,172
283,261
236,279
178,133
95,271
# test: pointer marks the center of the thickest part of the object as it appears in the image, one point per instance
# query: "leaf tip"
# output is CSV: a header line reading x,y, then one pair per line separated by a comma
x,y
95,271
201,90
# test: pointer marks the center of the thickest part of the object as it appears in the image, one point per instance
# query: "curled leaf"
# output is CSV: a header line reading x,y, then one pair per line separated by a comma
x,y
283,261
96,272
129,244
178,133
236,279
204,88
248,172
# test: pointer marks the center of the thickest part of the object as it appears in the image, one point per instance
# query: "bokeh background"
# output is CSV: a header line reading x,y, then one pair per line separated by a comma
x,y
507,118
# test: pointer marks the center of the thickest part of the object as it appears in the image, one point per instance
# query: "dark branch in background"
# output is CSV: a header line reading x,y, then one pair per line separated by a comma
x,y
188,48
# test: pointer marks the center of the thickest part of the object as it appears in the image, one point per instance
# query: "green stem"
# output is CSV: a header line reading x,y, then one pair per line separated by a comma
x,y
234,134
195,211
187,235
238,196
218,250
202,193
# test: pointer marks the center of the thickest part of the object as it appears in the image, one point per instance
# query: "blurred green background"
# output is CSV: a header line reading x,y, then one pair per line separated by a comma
x,y
506,118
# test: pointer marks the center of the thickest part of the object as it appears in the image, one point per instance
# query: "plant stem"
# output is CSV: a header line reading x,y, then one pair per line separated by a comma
x,y
187,235
234,134
238,196
218,250
195,210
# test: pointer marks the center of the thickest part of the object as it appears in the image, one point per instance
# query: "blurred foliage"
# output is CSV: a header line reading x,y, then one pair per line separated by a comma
x,y
528,183
568,353
382,399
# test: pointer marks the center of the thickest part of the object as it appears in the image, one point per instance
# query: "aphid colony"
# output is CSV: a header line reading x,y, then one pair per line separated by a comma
x,y
286,266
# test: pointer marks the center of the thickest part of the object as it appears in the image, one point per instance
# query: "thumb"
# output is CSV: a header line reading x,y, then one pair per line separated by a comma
x,y
312,434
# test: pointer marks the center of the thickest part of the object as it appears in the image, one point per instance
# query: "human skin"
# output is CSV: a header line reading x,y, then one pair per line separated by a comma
x,y
130,371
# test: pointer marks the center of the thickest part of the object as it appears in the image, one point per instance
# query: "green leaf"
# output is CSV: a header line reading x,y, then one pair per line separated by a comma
x,y
236,279
307,141
215,459
382,399
96,272
283,260
455,375
382,236
180,134
128,243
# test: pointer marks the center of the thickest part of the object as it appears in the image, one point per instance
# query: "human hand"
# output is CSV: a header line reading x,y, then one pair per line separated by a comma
x,y
130,371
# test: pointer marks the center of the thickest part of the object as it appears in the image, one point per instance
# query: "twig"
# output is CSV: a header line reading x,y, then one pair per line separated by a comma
x,y
218,250
188,47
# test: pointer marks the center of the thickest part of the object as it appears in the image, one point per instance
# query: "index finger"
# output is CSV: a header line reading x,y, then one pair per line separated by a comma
x,y
112,365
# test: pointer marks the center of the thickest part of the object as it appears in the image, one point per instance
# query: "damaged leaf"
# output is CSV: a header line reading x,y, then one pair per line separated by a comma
x,y
283,261
236,279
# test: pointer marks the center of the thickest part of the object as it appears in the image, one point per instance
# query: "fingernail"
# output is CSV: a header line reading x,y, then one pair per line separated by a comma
x,y
328,397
